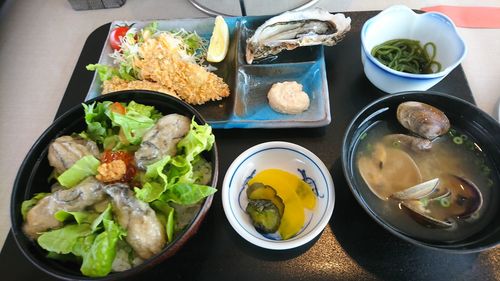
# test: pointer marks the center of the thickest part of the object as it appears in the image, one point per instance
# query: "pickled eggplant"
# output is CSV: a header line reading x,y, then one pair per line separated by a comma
x,y
261,191
265,215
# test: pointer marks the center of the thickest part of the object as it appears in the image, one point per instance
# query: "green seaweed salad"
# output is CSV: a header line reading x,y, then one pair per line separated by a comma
x,y
174,187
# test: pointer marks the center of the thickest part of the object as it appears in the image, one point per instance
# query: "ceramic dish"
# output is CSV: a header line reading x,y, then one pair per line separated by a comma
x,y
482,131
400,22
288,157
34,171
247,106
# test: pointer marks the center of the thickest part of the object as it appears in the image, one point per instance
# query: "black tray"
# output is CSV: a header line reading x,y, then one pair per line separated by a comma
x,y
352,246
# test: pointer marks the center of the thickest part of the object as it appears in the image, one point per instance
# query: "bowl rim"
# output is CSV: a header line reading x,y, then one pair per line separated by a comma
x,y
414,15
344,158
283,244
189,230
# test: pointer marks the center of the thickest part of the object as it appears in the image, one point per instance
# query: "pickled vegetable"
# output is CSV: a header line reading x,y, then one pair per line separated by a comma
x,y
264,214
258,190
287,186
294,193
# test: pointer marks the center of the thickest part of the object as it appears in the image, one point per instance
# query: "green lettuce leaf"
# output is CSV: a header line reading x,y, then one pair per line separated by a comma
x,y
98,123
154,181
82,245
98,260
187,194
106,215
166,214
145,110
180,170
28,204
83,168
133,124
63,240
198,139
107,72
79,217
174,179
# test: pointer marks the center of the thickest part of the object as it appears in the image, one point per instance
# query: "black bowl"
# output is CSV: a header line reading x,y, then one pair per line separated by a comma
x,y
34,171
464,116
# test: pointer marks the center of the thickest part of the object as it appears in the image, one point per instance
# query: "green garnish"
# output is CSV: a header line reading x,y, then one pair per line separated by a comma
x,y
445,202
458,140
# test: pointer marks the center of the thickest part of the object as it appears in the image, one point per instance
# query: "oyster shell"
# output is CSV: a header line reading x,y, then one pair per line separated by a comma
x,y
293,29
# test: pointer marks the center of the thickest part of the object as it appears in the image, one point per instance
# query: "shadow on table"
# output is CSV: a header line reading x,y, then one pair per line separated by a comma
x,y
385,255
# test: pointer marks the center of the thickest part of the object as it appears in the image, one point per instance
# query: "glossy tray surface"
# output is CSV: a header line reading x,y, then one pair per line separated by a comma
x,y
247,105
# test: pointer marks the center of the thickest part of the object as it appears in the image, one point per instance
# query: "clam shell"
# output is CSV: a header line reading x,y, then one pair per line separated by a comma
x,y
423,119
418,191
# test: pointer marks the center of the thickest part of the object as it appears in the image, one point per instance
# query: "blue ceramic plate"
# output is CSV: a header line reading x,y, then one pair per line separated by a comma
x,y
247,106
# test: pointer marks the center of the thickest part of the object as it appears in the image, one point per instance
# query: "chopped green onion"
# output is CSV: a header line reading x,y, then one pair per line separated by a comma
x,y
396,144
458,140
369,147
464,137
485,170
445,202
490,183
452,132
363,136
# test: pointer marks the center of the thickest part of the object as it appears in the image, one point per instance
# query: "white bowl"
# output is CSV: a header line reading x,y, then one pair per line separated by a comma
x,y
288,157
399,22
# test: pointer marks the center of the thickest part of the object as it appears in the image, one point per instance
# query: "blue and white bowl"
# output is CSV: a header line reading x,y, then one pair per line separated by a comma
x,y
400,22
288,157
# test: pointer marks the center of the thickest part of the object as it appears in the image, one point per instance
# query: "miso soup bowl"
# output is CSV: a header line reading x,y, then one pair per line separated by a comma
x,y
478,125
400,22
35,170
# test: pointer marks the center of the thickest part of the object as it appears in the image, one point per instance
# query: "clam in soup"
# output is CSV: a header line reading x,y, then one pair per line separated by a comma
x,y
436,188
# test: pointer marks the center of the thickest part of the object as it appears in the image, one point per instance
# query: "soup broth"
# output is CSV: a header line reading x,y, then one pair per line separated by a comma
x,y
455,153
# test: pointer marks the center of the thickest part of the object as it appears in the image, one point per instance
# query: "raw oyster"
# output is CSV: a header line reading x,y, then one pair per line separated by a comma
x,y
66,150
293,29
145,234
162,139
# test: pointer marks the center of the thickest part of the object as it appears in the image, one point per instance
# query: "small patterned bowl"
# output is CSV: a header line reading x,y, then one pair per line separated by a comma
x,y
288,157
399,22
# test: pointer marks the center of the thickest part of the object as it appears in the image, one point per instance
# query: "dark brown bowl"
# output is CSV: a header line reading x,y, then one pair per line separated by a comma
x,y
483,129
34,171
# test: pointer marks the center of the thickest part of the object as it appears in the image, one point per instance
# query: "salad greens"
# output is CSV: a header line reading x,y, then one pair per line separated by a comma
x,y
83,168
93,238
190,46
104,125
172,178
28,204
87,240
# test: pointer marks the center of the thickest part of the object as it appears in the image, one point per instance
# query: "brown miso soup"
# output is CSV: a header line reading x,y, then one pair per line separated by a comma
x,y
455,158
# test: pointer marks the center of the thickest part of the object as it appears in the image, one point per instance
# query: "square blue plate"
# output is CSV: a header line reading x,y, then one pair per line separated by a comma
x,y
247,106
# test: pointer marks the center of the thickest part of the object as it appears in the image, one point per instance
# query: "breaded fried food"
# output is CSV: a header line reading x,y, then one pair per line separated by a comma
x,y
117,84
158,61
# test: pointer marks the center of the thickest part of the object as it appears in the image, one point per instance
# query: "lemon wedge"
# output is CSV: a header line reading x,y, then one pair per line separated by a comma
x,y
219,42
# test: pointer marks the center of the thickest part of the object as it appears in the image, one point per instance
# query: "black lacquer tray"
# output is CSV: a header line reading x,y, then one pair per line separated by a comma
x,y
352,246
